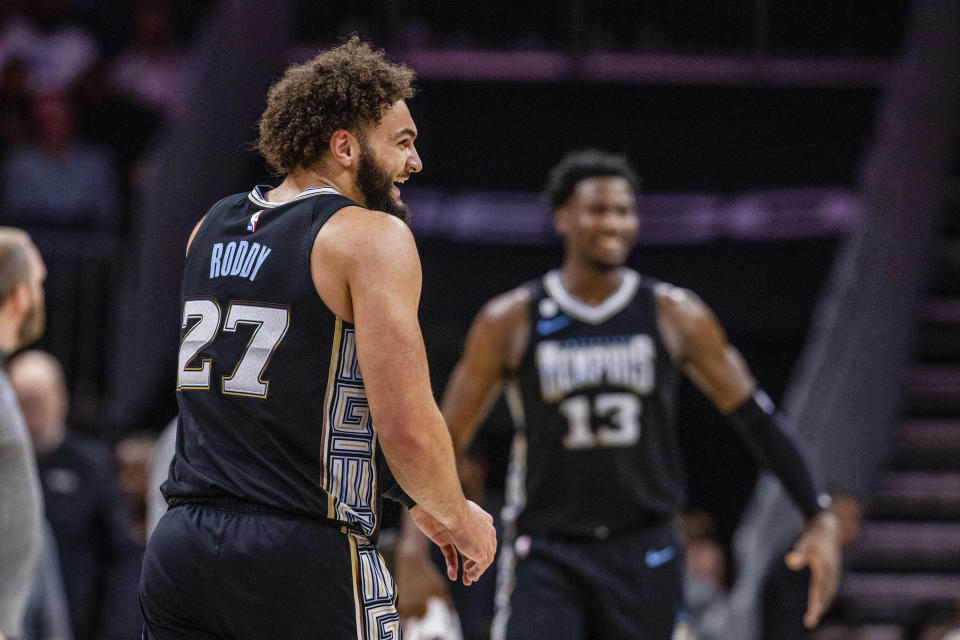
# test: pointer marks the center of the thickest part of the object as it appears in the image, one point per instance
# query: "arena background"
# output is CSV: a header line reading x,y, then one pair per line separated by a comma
x,y
801,171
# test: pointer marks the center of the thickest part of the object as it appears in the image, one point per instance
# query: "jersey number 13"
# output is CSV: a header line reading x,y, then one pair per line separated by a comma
x,y
618,415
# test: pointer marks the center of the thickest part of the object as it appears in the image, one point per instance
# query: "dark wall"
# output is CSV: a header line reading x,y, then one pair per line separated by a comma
x,y
706,138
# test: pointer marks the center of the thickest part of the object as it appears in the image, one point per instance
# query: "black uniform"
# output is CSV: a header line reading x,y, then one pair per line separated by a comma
x,y
596,472
275,486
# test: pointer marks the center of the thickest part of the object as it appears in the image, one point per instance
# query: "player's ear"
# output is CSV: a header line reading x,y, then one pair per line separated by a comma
x,y
344,147
21,298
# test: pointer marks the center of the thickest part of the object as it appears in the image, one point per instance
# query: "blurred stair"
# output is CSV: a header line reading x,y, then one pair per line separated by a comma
x,y
907,553
932,443
880,597
918,495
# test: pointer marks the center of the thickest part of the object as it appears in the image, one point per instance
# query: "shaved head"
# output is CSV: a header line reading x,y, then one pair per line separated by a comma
x,y
22,273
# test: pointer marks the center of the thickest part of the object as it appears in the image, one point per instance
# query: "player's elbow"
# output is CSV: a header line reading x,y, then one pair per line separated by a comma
x,y
402,439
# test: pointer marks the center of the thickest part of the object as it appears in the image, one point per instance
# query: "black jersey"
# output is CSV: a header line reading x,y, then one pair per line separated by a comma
x,y
272,405
594,401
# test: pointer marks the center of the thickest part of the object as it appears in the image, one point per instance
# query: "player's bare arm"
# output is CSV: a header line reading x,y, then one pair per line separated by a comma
x,y
699,346
493,349
366,269
193,234
494,346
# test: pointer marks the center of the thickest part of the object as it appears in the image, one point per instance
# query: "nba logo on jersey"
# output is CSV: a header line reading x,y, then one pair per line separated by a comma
x,y
252,225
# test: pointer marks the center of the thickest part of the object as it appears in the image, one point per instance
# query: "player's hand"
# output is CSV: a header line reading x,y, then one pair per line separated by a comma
x,y
476,540
472,535
438,534
819,549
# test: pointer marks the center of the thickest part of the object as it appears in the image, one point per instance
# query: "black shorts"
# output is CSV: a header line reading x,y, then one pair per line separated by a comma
x,y
212,572
627,586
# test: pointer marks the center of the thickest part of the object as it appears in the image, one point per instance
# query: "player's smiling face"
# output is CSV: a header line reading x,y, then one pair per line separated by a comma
x,y
388,157
599,222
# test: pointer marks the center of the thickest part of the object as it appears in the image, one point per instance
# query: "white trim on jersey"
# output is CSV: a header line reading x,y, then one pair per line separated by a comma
x,y
507,560
256,196
592,314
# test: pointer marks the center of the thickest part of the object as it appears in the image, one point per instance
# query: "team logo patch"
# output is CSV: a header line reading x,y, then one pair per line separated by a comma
x,y
548,308
252,225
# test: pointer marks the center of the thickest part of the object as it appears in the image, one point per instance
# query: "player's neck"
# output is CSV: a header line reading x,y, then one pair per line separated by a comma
x,y
590,284
300,179
9,330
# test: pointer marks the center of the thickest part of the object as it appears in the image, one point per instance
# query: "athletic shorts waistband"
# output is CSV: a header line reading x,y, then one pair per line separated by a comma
x,y
229,503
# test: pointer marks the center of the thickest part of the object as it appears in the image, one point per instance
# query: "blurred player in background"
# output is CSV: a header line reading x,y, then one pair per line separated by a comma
x,y
589,357
288,295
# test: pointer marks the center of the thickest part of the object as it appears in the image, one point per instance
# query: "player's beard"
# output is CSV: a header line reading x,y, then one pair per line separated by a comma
x,y
375,185
33,324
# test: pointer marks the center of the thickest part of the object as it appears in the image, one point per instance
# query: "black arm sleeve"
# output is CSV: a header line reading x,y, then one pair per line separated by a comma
x,y
776,446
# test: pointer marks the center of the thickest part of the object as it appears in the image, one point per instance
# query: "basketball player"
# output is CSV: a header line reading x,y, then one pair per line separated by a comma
x,y
301,367
590,355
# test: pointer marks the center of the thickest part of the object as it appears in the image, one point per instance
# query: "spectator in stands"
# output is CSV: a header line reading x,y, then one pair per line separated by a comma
x,y
166,444
83,504
134,455
151,69
56,51
117,122
705,564
58,180
14,104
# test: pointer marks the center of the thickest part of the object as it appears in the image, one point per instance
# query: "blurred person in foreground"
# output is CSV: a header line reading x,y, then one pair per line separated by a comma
x,y
289,293
47,616
589,356
83,504
21,504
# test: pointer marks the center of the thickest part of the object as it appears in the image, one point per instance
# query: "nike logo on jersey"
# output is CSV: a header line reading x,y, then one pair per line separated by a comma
x,y
659,557
237,259
547,326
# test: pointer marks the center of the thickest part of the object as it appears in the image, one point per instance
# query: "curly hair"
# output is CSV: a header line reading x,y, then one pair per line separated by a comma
x,y
580,165
346,87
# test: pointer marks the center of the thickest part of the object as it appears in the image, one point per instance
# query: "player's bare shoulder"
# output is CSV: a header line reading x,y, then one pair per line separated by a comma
x,y
507,308
683,318
355,227
504,324
678,304
688,325
362,248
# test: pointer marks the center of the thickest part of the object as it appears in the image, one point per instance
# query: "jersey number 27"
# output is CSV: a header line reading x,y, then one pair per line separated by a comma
x,y
270,324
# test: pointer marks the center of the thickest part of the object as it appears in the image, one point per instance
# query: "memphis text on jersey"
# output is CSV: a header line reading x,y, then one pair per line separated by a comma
x,y
571,365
